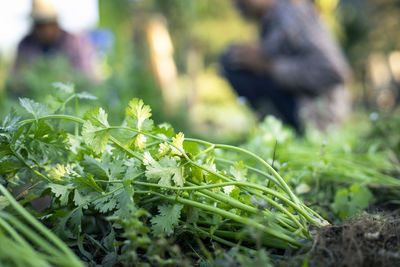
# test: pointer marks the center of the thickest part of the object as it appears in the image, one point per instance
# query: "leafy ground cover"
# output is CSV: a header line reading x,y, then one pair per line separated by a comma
x,y
125,194
141,194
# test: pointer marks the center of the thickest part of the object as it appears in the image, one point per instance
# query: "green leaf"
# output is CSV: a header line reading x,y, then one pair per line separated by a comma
x,y
95,130
164,171
69,88
10,122
140,141
177,141
197,174
191,147
36,109
80,199
239,171
163,149
349,202
139,112
107,168
105,204
168,218
89,182
361,196
76,222
86,95
46,143
61,192
164,130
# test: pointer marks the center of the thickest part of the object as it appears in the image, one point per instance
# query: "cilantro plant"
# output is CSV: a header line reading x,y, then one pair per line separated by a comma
x,y
338,172
116,190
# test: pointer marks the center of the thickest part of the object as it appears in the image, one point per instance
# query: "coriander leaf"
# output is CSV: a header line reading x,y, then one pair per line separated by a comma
x,y
88,182
95,130
98,117
46,143
164,130
61,192
140,141
228,189
163,150
105,168
36,109
69,88
80,199
95,137
138,111
57,172
239,171
168,218
164,171
76,222
177,141
10,122
105,204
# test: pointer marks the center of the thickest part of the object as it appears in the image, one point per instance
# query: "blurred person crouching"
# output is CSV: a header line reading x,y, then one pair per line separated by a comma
x,y
296,65
47,40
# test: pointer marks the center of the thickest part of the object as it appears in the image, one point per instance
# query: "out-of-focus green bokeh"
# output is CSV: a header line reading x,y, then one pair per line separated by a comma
x,y
199,32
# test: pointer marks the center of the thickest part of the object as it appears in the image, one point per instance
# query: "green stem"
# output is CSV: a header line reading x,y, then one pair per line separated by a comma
x,y
13,233
31,235
79,120
115,141
243,220
263,162
254,170
18,156
237,204
46,232
210,148
218,239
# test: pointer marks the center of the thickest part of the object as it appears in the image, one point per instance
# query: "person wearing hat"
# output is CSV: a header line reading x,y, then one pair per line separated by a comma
x,y
47,39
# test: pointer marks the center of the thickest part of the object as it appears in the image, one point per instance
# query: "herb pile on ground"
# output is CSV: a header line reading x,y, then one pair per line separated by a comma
x,y
139,192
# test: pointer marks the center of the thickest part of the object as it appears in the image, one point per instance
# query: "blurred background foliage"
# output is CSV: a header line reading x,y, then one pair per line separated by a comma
x,y
191,34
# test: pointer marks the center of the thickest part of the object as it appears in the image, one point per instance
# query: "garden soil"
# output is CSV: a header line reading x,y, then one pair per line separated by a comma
x,y
365,241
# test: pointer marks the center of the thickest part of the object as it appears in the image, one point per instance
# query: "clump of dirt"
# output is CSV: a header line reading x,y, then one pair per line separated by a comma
x,y
365,241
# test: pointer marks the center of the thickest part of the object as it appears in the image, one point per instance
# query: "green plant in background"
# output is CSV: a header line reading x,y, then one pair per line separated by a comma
x,y
336,169
349,202
117,189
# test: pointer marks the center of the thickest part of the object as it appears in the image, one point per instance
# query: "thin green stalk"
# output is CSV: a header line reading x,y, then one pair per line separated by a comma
x,y
236,236
31,235
253,170
263,162
298,207
237,204
28,166
115,141
210,148
219,239
46,232
228,215
13,233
